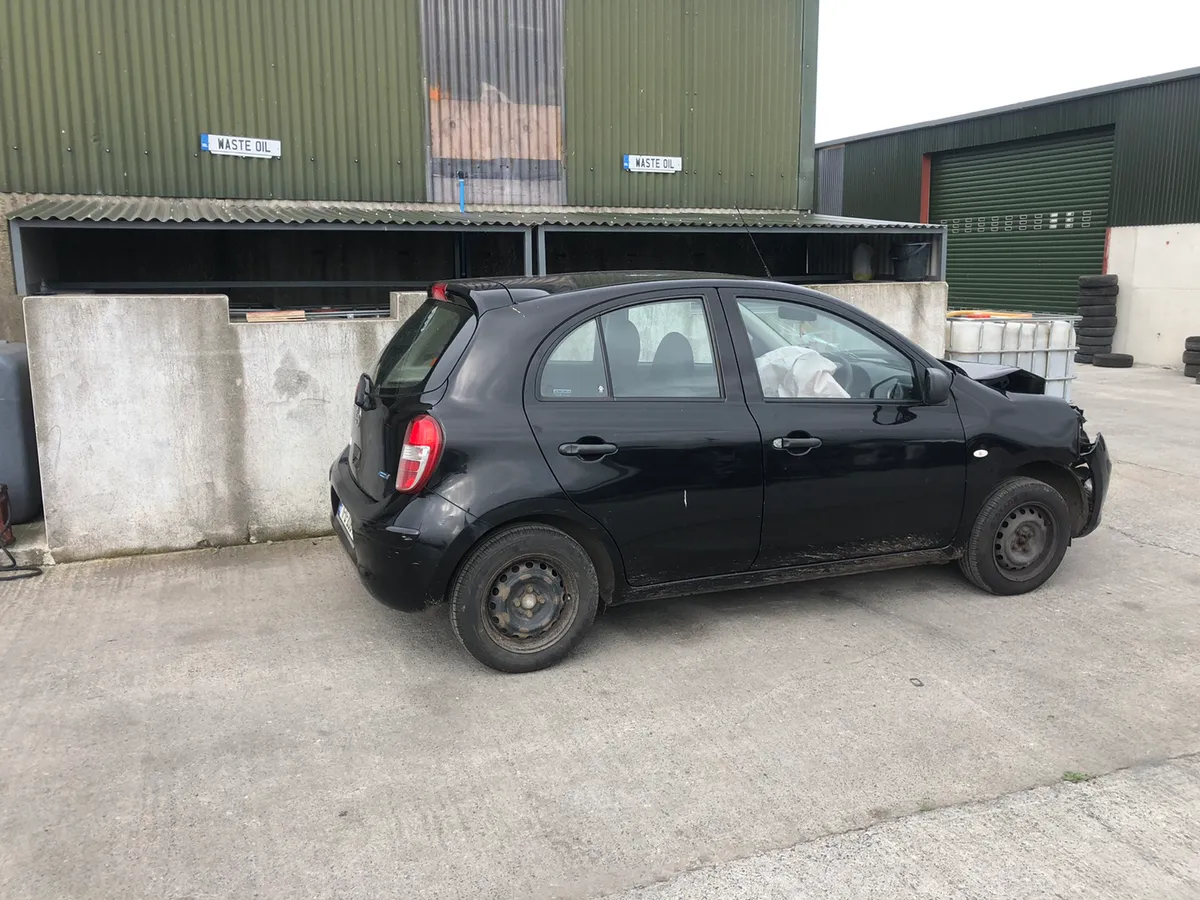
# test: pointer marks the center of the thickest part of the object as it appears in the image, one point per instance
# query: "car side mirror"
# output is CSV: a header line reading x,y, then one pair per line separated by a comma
x,y
937,385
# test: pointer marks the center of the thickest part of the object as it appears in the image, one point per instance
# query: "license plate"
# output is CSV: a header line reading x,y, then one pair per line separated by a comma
x,y
347,523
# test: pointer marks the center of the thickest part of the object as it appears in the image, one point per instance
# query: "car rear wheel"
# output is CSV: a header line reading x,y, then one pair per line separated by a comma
x,y
524,597
1019,538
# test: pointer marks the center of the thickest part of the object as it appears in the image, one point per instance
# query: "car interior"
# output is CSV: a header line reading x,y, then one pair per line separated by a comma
x,y
864,367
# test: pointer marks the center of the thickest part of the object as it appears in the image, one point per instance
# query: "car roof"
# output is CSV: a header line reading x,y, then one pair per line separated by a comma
x,y
488,293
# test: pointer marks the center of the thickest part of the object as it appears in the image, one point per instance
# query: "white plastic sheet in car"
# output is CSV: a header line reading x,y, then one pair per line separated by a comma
x,y
798,372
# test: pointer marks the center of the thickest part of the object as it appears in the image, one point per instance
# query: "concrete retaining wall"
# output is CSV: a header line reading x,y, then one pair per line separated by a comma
x,y
1159,302
163,426
916,309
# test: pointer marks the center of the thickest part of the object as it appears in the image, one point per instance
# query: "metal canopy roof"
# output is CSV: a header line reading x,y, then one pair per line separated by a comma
x,y
290,212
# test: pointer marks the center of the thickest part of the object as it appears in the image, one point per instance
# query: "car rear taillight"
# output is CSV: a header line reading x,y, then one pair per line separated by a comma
x,y
438,292
423,442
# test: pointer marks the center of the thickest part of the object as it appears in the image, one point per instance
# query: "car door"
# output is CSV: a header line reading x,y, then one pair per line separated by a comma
x,y
855,463
632,409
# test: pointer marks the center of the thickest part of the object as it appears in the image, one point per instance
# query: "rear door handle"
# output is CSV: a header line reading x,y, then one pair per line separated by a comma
x,y
796,443
596,450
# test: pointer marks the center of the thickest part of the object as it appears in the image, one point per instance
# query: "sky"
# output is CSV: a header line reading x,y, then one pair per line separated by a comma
x,y
886,63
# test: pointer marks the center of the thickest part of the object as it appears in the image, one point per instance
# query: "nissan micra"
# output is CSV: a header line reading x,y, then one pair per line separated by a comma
x,y
529,450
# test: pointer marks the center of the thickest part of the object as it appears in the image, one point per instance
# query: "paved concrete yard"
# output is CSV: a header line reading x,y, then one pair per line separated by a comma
x,y
248,722
1132,834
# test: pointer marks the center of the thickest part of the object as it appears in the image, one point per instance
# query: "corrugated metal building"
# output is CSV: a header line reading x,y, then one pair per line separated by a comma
x,y
1034,195
321,152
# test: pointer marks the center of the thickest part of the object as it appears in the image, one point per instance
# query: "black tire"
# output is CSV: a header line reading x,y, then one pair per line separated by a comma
x,y
1192,343
1088,341
1095,281
1191,371
1105,331
1084,358
1191,357
1018,539
552,570
1112,360
1097,294
1098,322
1101,309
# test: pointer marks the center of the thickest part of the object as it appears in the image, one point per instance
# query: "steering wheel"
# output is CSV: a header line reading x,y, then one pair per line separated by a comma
x,y
844,373
879,384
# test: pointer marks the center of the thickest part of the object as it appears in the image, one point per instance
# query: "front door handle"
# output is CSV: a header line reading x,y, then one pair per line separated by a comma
x,y
796,443
596,450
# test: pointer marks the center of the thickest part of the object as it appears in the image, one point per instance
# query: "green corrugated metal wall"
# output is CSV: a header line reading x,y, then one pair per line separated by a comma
x,y
111,96
1156,169
715,82
1024,220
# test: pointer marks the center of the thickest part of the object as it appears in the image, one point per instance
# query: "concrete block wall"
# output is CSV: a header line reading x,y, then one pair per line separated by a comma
x,y
163,426
916,309
1159,302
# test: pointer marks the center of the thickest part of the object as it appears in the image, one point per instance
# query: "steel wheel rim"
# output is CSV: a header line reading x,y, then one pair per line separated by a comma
x,y
1024,543
529,605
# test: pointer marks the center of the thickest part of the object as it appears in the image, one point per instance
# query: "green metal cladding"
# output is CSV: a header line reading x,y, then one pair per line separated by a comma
x,y
536,101
727,86
111,97
1155,163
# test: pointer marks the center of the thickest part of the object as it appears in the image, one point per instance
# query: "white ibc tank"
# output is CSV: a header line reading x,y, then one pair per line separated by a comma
x,y
1043,345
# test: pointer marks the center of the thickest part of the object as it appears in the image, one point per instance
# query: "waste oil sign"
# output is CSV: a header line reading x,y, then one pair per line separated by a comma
x,y
637,162
232,145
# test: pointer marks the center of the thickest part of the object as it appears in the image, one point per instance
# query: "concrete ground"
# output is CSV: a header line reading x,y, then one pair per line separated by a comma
x,y
1132,834
248,722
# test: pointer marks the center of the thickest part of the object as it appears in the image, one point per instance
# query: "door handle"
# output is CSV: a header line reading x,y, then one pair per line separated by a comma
x,y
796,443
596,450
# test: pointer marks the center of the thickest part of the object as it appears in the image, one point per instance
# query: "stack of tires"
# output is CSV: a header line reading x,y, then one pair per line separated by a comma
x,y
1097,308
1191,357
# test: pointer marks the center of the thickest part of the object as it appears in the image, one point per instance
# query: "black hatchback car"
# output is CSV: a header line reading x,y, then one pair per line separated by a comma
x,y
531,449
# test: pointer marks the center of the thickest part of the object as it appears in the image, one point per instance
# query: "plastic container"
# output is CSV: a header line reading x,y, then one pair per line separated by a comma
x,y
1041,344
910,262
18,444
862,265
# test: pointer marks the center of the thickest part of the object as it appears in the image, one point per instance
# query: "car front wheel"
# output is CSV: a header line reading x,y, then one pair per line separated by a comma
x,y
524,597
1019,538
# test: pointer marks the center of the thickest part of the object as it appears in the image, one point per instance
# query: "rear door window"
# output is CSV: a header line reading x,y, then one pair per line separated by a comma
x,y
575,370
414,350
659,350
656,350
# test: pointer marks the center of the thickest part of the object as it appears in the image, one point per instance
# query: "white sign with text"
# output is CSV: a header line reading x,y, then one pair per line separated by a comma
x,y
636,162
230,145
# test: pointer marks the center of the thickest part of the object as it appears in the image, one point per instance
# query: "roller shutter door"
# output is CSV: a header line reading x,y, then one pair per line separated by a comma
x,y
1024,219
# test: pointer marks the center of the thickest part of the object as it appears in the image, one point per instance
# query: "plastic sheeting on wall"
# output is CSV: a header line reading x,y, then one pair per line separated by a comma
x,y
494,76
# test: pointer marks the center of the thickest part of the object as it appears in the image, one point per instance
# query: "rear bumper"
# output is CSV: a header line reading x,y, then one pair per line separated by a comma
x,y
1100,468
399,545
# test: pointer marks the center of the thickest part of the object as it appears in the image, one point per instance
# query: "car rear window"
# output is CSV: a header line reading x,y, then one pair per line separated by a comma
x,y
414,350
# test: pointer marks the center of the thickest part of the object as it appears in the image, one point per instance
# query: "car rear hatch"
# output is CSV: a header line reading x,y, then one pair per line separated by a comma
x,y
416,362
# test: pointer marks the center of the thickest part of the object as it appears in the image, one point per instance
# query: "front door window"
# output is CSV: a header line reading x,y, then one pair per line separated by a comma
x,y
805,353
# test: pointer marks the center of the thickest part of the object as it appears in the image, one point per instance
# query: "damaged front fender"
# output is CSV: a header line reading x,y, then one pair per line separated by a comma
x,y
1005,379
